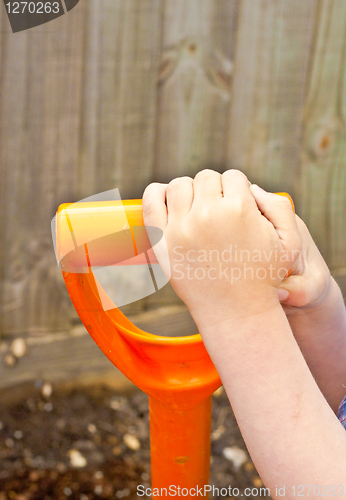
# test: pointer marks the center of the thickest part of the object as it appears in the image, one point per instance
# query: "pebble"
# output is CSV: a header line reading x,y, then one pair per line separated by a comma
x,y
76,458
18,434
123,493
257,481
98,490
47,390
131,442
235,455
9,443
60,423
10,360
218,392
98,474
61,467
18,347
34,476
117,451
92,428
118,403
113,440
249,466
217,433
48,407
84,444
67,491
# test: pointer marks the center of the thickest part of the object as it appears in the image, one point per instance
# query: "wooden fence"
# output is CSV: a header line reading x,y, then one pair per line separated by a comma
x,y
118,93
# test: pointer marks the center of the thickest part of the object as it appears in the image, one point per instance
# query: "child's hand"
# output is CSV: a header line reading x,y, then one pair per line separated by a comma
x,y
227,259
310,279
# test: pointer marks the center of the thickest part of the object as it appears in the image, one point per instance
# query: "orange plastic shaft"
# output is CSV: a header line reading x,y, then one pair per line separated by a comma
x,y
180,448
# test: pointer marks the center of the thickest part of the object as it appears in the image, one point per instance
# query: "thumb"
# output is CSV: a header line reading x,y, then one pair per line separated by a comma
x,y
296,291
278,210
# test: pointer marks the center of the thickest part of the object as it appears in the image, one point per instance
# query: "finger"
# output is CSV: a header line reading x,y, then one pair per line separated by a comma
x,y
179,197
295,291
154,205
278,210
206,186
235,184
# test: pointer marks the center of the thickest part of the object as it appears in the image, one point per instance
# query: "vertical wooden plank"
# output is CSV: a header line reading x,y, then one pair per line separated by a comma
x,y
40,110
195,84
119,101
137,95
273,47
322,201
12,152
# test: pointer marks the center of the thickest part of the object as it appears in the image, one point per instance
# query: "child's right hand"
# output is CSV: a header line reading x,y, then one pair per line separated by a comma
x,y
309,282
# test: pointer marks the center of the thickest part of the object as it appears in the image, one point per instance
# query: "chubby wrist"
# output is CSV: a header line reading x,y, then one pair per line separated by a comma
x,y
249,307
320,316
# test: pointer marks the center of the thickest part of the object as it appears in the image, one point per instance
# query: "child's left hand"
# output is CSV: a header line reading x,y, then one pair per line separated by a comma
x,y
309,282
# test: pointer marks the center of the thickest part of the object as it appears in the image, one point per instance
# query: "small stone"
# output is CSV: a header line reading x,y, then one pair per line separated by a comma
x,y
123,493
98,490
67,491
34,476
84,444
76,458
18,347
18,434
218,392
47,390
217,433
83,496
61,424
92,428
117,403
145,476
98,474
9,443
113,440
257,481
131,442
61,467
235,455
249,466
10,360
48,407
117,451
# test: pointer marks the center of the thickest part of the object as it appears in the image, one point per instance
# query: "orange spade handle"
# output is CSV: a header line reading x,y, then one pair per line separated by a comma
x,y
176,372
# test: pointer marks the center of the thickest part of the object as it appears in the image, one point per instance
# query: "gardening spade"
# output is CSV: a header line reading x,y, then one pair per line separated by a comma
x,y
176,372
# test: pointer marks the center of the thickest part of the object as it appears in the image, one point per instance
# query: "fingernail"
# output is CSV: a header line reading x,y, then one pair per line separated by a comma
x,y
283,294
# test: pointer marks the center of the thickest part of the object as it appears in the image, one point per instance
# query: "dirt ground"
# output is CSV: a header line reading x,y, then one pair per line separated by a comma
x,y
86,444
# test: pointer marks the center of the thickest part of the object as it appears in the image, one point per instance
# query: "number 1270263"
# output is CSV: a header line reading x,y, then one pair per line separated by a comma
x,y
33,7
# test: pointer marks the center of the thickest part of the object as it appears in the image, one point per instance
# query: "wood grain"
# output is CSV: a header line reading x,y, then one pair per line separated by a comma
x,y
119,93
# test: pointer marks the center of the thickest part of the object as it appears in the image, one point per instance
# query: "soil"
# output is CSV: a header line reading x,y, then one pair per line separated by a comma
x,y
90,443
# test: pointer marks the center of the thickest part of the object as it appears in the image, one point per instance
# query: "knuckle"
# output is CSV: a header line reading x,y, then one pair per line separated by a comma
x,y
285,202
235,173
148,209
177,183
206,173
